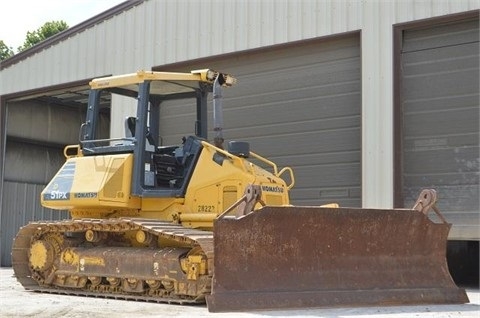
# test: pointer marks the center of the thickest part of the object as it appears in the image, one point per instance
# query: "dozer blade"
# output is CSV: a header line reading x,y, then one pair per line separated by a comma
x,y
300,257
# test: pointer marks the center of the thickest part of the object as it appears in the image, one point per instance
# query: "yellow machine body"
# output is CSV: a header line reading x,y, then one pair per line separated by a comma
x,y
100,186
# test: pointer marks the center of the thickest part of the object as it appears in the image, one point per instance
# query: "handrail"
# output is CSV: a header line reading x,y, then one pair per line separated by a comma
x,y
223,152
75,148
292,178
265,160
132,139
258,157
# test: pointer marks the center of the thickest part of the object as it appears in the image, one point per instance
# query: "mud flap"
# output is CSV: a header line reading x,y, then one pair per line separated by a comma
x,y
300,257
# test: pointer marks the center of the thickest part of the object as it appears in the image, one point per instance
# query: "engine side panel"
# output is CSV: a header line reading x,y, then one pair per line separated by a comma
x,y
96,182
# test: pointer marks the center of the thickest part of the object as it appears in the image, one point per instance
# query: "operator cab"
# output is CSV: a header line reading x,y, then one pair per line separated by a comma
x,y
170,166
173,165
158,171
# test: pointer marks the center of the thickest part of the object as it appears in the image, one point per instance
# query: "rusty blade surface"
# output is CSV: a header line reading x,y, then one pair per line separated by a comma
x,y
296,257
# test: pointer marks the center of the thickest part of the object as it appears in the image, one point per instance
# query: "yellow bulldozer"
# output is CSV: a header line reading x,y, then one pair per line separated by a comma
x,y
200,222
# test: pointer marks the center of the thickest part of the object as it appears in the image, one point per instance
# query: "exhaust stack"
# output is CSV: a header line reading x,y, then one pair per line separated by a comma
x,y
218,111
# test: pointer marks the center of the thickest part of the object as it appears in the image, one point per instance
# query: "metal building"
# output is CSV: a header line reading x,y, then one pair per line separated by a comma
x,y
368,101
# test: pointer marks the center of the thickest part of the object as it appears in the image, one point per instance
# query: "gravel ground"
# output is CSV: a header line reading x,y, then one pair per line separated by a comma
x,y
16,302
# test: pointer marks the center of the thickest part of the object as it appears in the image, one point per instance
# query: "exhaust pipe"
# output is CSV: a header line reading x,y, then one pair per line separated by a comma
x,y
218,111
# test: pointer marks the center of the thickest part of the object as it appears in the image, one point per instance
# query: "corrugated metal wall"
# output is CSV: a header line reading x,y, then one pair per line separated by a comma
x,y
35,136
152,34
31,163
299,106
22,203
42,121
3,112
441,120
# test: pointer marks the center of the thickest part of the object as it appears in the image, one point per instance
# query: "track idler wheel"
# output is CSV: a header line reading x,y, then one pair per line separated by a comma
x,y
42,253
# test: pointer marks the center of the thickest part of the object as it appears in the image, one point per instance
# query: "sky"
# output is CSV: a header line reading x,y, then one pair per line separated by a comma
x,y
17,17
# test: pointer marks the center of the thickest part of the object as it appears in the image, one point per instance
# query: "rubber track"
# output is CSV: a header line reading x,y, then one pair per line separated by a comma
x,y
31,231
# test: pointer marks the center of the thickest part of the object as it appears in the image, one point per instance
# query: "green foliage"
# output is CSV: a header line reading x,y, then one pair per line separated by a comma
x,y
5,51
45,31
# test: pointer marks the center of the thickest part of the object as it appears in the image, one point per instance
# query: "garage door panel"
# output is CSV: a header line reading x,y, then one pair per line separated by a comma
x,y
450,34
442,71
336,108
298,119
287,111
298,106
349,196
468,224
283,130
440,105
465,232
298,79
462,161
177,120
308,143
339,49
267,92
307,159
456,181
453,121
288,101
31,163
452,59
463,218
333,175
439,85
44,122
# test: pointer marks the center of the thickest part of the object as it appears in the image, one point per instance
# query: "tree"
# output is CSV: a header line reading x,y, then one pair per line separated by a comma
x,y
45,31
5,51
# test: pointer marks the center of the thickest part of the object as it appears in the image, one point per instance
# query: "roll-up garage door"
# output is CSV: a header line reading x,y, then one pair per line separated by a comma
x,y
35,135
297,105
440,94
